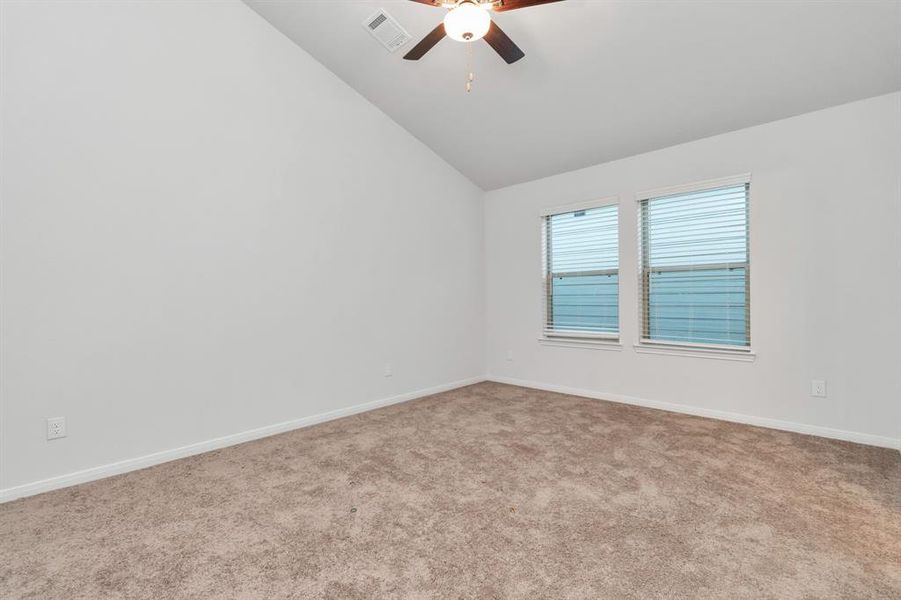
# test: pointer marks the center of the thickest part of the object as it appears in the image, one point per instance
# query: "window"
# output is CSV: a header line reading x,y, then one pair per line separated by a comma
x,y
581,273
694,272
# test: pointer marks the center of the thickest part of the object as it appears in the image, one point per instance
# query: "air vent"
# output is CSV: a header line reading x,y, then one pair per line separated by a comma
x,y
386,30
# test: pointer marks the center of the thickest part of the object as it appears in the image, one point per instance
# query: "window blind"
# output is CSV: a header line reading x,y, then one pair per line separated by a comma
x,y
581,279
694,275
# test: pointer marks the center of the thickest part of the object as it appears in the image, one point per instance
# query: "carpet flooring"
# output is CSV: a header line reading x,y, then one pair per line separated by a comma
x,y
488,491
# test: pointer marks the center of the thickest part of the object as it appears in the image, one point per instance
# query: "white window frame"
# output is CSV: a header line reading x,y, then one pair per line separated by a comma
x,y
715,351
578,339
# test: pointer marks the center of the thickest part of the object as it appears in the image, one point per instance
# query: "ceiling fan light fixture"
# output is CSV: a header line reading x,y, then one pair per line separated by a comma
x,y
467,22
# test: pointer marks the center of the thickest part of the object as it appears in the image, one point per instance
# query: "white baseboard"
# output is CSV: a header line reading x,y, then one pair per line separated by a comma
x,y
149,460
826,432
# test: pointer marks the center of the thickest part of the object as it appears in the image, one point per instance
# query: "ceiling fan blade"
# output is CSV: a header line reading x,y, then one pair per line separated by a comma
x,y
426,44
503,45
503,5
429,2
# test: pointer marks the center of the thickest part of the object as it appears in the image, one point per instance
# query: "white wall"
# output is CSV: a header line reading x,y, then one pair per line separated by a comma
x,y
825,275
204,231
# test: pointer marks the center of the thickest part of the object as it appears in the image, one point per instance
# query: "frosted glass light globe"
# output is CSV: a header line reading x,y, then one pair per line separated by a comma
x,y
467,22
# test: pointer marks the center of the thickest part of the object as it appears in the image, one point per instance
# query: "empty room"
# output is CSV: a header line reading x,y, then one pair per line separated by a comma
x,y
446,299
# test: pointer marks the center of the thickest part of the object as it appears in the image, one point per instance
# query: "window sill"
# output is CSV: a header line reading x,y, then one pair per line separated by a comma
x,y
696,352
589,343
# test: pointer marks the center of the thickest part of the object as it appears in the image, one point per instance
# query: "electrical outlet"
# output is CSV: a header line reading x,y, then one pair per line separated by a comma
x,y
56,428
818,388
388,372
509,354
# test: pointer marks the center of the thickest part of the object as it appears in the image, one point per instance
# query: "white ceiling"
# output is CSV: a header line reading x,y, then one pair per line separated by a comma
x,y
602,80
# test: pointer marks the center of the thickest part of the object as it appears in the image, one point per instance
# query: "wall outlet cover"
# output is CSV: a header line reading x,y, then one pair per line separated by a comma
x,y
818,388
56,428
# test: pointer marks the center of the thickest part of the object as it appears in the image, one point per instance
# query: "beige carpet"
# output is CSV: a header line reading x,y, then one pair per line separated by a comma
x,y
490,491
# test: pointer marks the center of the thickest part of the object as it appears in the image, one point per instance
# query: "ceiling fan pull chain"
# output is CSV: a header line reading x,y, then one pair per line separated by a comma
x,y
469,68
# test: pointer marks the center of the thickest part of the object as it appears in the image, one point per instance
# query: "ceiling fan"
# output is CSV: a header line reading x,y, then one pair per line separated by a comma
x,y
470,20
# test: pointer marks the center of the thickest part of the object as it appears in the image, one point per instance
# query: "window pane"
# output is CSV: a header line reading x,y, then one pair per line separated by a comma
x,y
694,263
586,302
698,228
583,262
585,240
699,306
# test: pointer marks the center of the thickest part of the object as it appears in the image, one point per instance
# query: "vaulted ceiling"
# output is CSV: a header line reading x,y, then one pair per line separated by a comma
x,y
602,80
